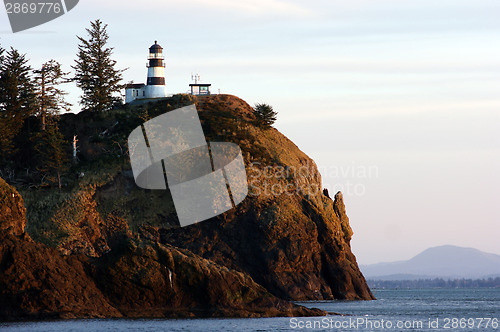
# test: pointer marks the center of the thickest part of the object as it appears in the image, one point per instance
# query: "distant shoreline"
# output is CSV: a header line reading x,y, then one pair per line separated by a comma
x,y
435,283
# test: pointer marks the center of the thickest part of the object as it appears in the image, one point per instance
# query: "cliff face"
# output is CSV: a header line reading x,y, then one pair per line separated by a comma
x,y
35,281
299,256
12,211
121,245
136,278
288,235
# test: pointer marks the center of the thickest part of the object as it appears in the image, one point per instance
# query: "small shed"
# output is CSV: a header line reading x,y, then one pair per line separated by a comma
x,y
198,89
134,91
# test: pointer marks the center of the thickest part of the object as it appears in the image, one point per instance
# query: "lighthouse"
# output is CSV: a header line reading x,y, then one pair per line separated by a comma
x,y
155,83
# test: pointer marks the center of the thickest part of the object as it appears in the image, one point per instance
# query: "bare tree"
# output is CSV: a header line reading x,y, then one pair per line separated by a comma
x,y
50,96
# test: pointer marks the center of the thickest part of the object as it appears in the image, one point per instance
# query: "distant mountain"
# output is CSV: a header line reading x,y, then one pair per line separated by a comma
x,y
444,261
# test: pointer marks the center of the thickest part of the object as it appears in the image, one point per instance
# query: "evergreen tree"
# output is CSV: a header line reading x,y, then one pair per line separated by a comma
x,y
265,115
50,97
50,147
95,70
17,99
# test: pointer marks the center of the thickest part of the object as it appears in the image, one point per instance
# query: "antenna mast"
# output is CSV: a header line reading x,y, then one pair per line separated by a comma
x,y
195,78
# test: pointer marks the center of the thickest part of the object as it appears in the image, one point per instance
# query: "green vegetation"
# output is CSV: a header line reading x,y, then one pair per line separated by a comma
x,y
49,143
17,99
62,197
48,220
31,101
67,196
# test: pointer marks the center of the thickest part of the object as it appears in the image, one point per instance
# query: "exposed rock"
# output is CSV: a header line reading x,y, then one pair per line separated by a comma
x,y
36,282
154,280
299,255
136,279
339,208
86,234
104,247
12,211
287,234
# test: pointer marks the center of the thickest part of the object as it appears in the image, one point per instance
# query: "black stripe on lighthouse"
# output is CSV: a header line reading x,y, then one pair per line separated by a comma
x,y
156,81
155,62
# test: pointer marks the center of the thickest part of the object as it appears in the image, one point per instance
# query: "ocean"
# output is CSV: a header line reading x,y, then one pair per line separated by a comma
x,y
445,309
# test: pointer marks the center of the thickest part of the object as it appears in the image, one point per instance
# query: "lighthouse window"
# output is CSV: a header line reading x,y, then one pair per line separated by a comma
x,y
143,93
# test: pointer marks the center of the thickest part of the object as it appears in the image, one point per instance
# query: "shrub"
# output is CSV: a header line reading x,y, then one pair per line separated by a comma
x,y
265,115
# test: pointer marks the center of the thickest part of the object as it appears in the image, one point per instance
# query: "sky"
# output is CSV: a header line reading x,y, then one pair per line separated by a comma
x,y
397,101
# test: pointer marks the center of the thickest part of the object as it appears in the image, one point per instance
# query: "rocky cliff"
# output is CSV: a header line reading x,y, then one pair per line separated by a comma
x,y
104,238
137,278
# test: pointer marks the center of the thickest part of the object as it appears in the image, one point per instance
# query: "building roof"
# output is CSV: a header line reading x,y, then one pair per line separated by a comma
x,y
155,47
200,84
134,85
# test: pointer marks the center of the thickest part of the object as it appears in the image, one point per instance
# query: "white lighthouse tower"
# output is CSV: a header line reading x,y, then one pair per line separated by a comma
x,y
155,84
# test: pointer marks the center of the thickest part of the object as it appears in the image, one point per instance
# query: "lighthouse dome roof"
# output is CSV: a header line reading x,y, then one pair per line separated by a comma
x,y
155,47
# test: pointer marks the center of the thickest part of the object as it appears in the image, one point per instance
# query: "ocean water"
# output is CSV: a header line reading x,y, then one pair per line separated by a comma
x,y
394,310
